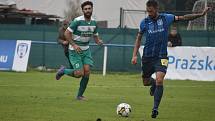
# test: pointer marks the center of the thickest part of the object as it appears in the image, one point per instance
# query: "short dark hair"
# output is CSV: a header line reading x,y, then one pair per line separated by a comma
x,y
152,3
86,3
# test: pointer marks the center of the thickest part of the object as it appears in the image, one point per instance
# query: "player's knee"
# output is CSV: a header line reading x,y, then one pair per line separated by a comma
x,y
87,73
78,73
159,81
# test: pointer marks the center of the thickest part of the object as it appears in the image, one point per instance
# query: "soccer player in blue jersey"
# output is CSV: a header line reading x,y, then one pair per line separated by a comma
x,y
154,59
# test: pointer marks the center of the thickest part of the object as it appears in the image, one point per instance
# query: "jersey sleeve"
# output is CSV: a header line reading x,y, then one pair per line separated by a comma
x,y
142,27
169,18
73,25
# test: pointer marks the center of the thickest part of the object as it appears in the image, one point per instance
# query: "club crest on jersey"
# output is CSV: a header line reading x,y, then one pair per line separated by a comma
x,y
160,22
151,27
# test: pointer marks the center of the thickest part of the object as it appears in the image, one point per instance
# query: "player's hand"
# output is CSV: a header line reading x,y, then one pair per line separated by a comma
x,y
206,10
100,42
77,48
134,60
169,44
65,43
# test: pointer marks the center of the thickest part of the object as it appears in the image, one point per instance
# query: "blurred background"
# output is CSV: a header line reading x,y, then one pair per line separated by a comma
x,y
39,21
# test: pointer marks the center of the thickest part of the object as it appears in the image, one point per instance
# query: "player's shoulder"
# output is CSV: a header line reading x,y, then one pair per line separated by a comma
x,y
93,21
93,18
142,23
79,18
166,14
145,20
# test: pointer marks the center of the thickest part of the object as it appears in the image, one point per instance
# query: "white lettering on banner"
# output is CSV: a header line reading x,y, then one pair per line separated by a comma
x,y
193,63
3,59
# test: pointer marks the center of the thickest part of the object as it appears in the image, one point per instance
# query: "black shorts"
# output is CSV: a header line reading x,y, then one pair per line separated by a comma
x,y
152,65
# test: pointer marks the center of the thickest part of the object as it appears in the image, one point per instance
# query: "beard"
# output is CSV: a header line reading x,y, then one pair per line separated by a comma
x,y
153,16
88,15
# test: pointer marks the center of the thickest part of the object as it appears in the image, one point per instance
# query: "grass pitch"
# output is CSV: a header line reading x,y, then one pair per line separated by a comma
x,y
37,96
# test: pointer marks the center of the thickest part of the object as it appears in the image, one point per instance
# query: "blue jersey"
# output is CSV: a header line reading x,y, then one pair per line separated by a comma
x,y
156,33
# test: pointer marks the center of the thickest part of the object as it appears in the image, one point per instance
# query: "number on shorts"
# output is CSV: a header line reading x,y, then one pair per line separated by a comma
x,y
77,65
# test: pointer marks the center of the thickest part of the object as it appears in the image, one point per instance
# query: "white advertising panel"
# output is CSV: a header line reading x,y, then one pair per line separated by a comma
x,y
21,55
193,63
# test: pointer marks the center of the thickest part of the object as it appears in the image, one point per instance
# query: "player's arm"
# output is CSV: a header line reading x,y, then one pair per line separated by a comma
x,y
98,41
69,38
192,16
136,47
61,39
69,35
62,42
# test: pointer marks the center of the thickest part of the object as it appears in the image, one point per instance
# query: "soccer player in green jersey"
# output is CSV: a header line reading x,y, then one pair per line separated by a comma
x,y
78,34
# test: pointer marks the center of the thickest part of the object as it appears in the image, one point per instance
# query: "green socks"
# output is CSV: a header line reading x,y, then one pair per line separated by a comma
x,y
69,72
83,85
83,82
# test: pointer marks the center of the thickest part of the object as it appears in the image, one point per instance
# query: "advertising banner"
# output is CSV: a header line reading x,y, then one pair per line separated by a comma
x,y
14,54
192,63
7,50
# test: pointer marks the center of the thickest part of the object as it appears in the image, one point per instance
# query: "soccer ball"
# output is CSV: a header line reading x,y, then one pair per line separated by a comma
x,y
123,109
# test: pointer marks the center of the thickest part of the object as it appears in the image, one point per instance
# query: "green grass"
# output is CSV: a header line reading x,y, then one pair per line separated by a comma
x,y
37,96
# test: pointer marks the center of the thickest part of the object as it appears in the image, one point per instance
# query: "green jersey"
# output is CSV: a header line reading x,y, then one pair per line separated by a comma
x,y
82,31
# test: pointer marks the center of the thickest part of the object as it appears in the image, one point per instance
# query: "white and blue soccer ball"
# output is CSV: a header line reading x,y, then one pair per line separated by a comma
x,y
123,109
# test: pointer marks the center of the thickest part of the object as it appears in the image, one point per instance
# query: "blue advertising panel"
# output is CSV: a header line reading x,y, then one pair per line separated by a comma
x,y
7,49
